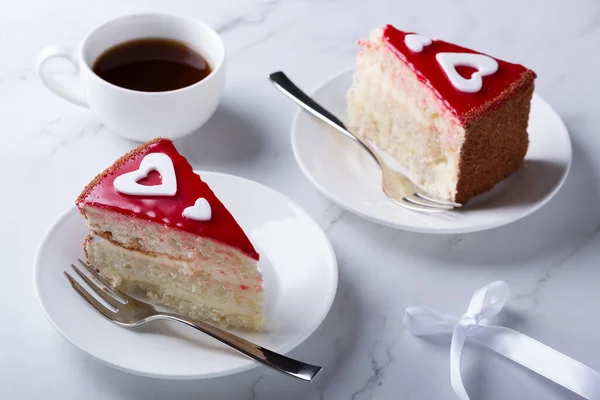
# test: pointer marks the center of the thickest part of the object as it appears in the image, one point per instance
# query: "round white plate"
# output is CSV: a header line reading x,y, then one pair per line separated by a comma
x,y
347,175
300,280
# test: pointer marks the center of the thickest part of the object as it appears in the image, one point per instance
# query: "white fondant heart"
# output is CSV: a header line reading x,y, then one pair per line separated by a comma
x,y
416,42
200,211
159,162
485,65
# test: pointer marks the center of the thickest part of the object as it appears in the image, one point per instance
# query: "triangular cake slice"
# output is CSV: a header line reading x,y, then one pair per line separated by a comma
x,y
154,224
452,119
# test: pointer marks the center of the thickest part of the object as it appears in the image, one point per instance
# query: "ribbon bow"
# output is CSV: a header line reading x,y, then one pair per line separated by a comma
x,y
485,303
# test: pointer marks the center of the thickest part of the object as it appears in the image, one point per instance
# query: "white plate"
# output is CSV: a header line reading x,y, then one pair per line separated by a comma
x,y
300,280
347,175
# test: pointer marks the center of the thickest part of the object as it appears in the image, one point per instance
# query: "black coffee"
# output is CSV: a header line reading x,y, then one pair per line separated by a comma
x,y
152,65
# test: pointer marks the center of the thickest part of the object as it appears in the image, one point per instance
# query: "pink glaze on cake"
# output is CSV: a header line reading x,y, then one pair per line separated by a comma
x,y
465,106
167,210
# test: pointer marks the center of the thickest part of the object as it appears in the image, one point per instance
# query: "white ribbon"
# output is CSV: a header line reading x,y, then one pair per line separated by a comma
x,y
485,303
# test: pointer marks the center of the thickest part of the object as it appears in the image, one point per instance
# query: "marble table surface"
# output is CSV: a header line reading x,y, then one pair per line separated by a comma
x,y
551,259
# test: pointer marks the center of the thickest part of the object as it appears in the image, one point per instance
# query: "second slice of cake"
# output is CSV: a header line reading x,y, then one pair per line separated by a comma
x,y
453,120
155,225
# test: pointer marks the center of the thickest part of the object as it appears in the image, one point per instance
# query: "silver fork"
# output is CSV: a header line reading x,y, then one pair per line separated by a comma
x,y
129,312
410,196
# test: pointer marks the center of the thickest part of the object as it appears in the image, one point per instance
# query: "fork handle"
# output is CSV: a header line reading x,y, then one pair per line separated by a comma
x,y
278,362
285,85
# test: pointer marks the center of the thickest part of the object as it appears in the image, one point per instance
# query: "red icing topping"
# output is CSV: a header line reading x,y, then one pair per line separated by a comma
x,y
463,105
167,210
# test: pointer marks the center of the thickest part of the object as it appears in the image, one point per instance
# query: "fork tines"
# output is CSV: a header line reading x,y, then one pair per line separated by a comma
x,y
102,288
421,202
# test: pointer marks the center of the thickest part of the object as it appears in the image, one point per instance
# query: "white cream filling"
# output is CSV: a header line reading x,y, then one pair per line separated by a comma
x,y
189,268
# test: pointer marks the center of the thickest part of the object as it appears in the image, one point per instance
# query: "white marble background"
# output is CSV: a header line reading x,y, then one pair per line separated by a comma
x,y
51,149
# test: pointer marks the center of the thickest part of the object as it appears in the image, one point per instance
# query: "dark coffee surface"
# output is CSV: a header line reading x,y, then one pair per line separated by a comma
x,y
152,65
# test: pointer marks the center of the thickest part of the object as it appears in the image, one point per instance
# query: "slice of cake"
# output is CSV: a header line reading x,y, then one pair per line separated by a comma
x,y
154,224
453,119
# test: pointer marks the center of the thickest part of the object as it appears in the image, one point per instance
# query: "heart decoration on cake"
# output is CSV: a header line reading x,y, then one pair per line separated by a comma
x,y
415,42
485,65
200,211
159,162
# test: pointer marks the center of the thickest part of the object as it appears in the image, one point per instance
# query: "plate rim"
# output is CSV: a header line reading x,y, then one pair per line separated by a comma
x,y
452,231
331,257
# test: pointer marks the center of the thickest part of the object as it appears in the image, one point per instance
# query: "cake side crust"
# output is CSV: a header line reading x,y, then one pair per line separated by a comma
x,y
495,144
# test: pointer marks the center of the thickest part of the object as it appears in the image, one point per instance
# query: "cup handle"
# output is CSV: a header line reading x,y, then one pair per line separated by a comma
x,y
59,51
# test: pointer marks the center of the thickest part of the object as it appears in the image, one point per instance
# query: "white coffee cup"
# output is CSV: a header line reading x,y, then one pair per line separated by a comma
x,y
134,114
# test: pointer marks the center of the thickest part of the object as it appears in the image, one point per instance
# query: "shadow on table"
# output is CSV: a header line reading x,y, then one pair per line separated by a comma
x,y
572,214
228,138
329,347
528,185
567,219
